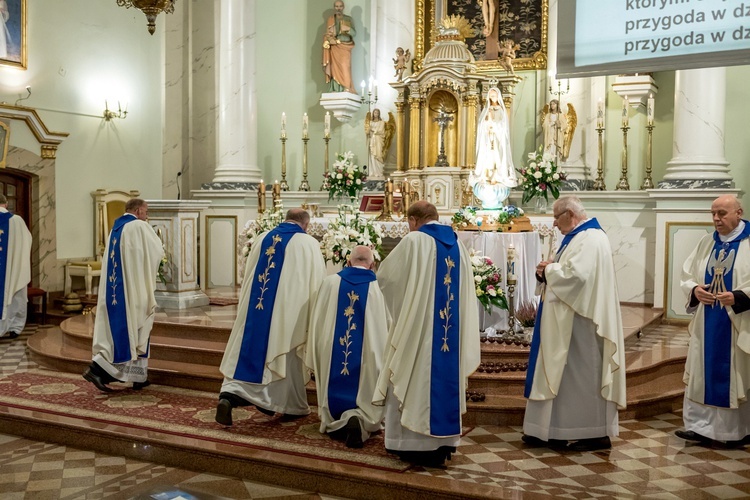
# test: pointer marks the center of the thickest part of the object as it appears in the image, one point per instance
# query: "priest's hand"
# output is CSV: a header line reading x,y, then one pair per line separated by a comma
x,y
702,294
725,298
540,269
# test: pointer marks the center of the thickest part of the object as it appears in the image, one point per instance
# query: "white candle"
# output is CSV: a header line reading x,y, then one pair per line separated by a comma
x,y
363,89
511,263
625,112
376,89
328,125
369,85
283,124
600,114
304,126
650,110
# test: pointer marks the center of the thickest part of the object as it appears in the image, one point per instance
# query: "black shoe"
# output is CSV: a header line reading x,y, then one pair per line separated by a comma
x,y
96,380
268,413
137,386
434,458
554,444
593,444
13,335
692,436
288,417
739,443
353,433
224,412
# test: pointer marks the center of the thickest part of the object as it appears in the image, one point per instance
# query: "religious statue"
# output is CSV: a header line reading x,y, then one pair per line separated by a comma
x,y
379,135
488,15
494,174
338,43
558,129
507,55
400,62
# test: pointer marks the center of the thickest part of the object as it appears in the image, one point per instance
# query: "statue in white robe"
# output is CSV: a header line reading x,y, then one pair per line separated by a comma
x,y
263,362
433,344
348,330
575,382
126,306
15,271
716,280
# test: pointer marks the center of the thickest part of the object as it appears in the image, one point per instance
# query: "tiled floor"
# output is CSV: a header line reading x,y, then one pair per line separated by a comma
x,y
646,461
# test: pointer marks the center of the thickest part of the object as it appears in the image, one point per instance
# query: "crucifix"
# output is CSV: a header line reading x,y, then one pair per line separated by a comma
x,y
717,283
443,119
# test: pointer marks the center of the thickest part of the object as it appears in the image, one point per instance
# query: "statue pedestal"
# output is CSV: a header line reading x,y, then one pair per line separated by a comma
x,y
441,186
342,105
179,224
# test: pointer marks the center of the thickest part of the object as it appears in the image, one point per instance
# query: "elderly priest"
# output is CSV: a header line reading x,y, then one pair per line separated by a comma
x,y
716,279
433,344
15,271
263,362
126,306
576,377
348,330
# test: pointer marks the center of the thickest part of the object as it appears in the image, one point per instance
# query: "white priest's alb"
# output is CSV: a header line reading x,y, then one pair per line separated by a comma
x,y
264,358
126,306
413,378
15,271
345,349
717,370
576,378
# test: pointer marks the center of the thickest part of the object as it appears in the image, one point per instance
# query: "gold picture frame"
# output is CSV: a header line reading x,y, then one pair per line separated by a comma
x,y
427,12
4,143
13,33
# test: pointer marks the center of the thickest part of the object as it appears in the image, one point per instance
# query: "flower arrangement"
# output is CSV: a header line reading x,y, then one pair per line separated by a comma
x,y
348,230
160,274
541,177
487,282
468,216
253,228
345,178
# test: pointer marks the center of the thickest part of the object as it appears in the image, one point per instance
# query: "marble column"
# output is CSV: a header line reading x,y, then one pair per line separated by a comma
x,y
237,107
698,160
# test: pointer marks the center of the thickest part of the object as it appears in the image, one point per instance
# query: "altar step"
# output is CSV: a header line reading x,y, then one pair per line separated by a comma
x,y
189,355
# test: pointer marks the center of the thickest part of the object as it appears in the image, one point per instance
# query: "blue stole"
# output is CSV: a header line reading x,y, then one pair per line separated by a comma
x,y
115,295
445,392
265,284
536,340
717,329
4,244
348,335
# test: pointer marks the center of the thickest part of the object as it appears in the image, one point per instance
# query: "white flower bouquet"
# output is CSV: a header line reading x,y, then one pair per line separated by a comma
x,y
348,230
488,283
345,178
253,228
541,176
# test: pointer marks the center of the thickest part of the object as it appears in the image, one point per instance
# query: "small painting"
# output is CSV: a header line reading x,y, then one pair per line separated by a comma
x,y
13,35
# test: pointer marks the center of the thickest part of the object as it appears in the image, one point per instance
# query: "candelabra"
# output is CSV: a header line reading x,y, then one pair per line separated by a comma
x,y
387,213
284,184
648,183
304,185
327,140
560,92
623,184
599,182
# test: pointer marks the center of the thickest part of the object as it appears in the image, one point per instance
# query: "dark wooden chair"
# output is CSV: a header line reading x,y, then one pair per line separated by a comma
x,y
34,293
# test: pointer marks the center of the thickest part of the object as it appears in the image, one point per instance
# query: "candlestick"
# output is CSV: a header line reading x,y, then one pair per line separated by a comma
x,y
276,194
283,125
600,114
304,185
284,184
625,103
388,186
599,183
304,126
405,197
261,197
650,111
648,182
623,184
327,128
325,162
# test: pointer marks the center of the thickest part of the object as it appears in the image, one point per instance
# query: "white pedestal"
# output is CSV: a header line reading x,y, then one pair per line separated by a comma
x,y
179,223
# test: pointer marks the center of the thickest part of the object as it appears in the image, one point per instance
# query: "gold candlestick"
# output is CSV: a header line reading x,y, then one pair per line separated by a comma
x,y
284,184
261,197
276,194
387,212
623,184
304,185
327,139
648,183
599,183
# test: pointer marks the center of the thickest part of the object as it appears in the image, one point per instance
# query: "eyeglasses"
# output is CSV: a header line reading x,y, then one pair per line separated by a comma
x,y
560,215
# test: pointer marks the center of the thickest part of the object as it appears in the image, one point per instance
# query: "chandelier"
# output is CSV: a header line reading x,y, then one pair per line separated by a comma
x,y
151,8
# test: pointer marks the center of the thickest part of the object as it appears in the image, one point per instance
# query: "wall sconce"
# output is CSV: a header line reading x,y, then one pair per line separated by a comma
x,y
120,113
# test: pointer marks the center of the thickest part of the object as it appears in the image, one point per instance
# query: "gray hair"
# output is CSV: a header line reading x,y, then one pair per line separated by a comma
x,y
361,256
572,203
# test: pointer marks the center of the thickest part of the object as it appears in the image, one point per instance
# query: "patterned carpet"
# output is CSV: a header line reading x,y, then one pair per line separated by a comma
x,y
184,413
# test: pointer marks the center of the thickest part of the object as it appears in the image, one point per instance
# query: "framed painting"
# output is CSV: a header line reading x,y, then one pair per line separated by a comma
x,y
522,22
682,237
13,33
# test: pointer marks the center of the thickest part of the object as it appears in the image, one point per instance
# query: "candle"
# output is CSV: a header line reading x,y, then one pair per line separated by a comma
x,y
600,114
276,188
261,197
389,186
304,126
283,125
625,112
262,187
650,110
369,85
363,89
328,125
376,89
511,263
